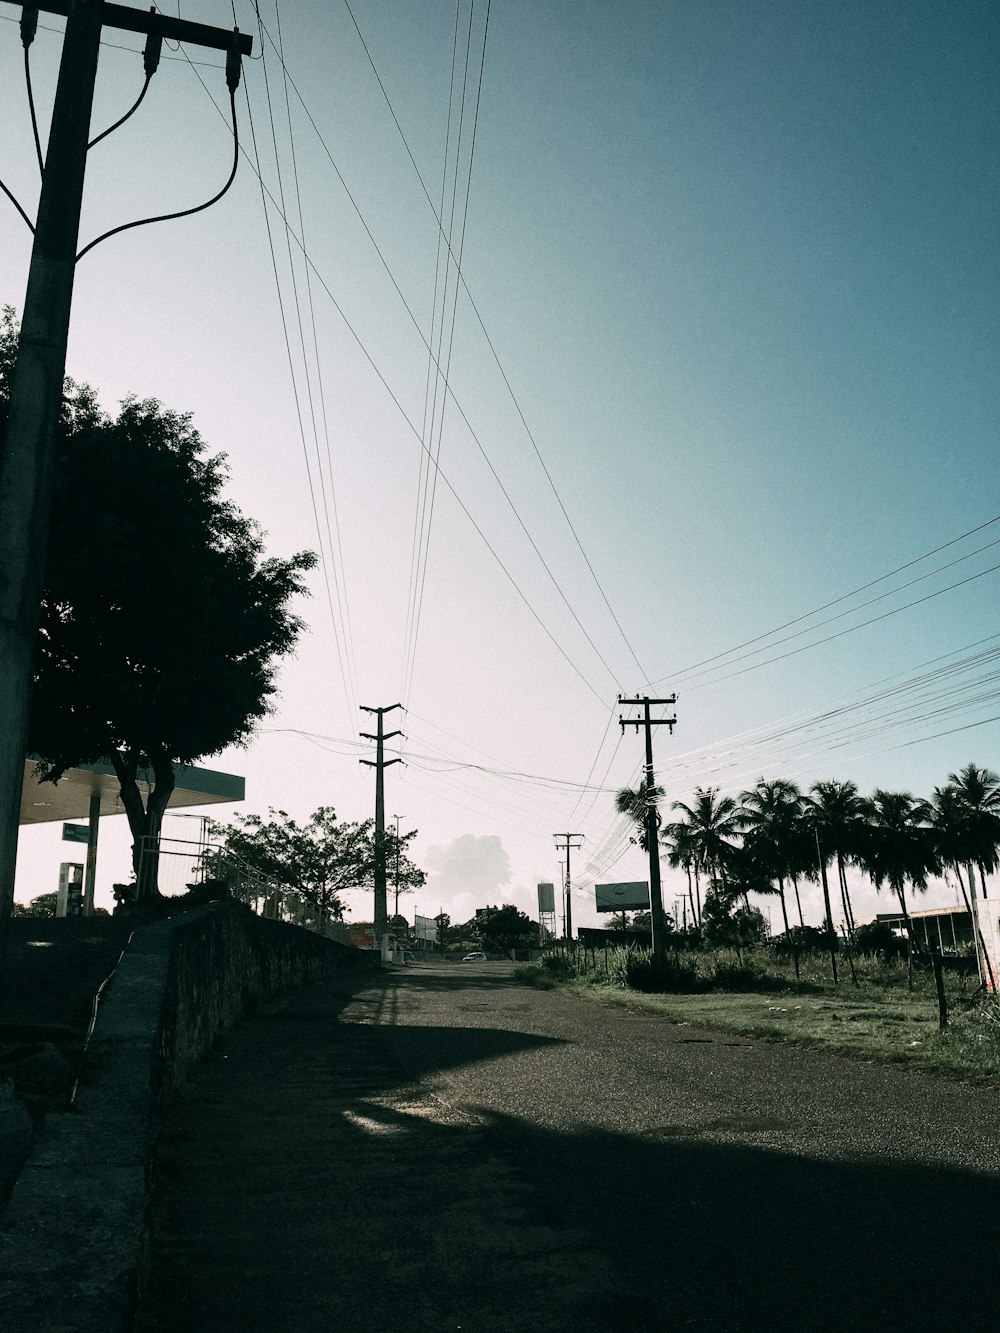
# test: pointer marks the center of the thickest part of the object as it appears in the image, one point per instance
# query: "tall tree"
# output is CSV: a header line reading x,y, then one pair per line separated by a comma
x,y
978,791
713,824
682,854
504,928
770,818
634,802
897,846
162,621
317,861
838,812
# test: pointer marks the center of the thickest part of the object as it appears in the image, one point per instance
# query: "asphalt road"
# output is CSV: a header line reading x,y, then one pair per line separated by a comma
x,y
447,1150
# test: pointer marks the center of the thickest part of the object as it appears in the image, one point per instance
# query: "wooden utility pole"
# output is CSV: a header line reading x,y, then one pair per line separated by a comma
x,y
657,924
37,385
379,763
567,845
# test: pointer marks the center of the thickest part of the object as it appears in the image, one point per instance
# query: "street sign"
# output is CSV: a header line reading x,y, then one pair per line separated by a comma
x,y
75,833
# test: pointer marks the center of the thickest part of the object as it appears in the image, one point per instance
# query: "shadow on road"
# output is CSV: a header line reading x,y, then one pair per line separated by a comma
x,y
310,1185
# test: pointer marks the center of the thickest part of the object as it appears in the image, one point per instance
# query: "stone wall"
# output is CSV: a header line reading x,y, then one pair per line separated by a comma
x,y
71,1236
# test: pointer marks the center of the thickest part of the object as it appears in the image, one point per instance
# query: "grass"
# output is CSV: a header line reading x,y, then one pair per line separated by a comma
x,y
880,1019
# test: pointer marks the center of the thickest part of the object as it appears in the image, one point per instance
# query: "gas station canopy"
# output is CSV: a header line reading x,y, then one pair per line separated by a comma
x,y
70,797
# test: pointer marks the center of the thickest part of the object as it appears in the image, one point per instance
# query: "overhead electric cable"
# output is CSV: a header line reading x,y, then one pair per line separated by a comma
x,y
492,347
808,615
333,529
295,394
427,460
269,196
851,629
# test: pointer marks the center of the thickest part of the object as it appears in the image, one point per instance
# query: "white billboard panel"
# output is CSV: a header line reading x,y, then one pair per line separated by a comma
x,y
546,898
425,927
631,897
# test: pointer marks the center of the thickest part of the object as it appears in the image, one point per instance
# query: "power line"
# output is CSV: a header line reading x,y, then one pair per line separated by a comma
x,y
808,615
506,379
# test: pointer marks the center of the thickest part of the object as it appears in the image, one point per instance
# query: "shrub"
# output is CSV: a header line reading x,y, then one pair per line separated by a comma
x,y
879,939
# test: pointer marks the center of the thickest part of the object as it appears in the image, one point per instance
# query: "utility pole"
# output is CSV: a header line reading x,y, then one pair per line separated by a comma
x,y
397,818
37,385
379,763
567,845
657,924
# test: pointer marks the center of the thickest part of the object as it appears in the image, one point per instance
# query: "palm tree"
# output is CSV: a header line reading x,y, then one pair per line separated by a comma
x,y
682,854
712,822
949,820
634,803
958,838
978,790
837,809
770,817
897,846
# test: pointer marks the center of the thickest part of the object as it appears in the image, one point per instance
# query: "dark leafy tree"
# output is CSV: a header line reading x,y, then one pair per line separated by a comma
x,y
838,812
726,923
769,817
443,923
44,905
504,929
713,824
317,861
948,818
162,620
682,853
897,846
978,791
634,802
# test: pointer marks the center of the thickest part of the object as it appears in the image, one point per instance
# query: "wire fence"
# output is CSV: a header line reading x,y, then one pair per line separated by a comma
x,y
203,870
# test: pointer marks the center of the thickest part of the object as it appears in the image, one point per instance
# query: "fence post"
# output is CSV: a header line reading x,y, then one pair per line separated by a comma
x,y
939,983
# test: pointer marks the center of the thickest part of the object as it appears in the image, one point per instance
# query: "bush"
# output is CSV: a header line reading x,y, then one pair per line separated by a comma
x,y
644,972
880,940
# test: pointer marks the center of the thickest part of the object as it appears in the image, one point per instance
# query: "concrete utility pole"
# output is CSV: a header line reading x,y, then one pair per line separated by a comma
x,y
37,386
379,763
397,818
657,924
567,845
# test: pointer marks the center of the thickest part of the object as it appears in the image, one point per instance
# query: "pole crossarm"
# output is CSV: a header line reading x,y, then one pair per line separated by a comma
x,y
652,820
152,22
567,845
645,703
380,764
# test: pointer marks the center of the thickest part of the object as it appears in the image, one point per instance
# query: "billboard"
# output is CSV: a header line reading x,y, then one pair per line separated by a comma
x,y
425,928
546,898
631,897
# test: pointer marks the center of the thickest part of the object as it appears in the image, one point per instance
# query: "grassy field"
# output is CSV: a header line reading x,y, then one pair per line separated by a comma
x,y
878,1019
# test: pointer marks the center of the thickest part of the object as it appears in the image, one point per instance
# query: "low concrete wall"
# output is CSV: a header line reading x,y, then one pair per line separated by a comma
x,y
71,1236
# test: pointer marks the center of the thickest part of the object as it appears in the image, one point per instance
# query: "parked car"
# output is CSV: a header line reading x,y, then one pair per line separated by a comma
x,y
474,958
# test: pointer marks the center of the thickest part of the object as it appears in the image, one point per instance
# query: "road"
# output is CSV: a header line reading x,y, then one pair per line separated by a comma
x,y
448,1150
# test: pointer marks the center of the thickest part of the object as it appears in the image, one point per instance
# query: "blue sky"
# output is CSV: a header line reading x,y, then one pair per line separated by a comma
x,y
739,265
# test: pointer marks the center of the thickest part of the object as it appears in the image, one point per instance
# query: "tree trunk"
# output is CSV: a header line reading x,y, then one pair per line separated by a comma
x,y
901,895
145,821
982,877
784,909
691,893
845,896
697,892
788,931
798,902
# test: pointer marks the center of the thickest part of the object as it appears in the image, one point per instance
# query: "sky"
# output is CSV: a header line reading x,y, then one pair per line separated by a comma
x,y
722,408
